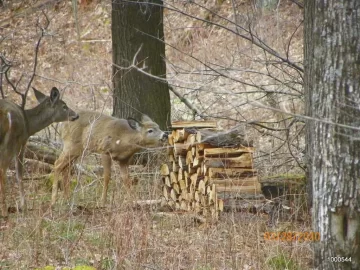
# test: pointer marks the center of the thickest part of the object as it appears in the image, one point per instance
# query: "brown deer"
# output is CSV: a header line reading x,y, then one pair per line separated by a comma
x,y
17,125
115,139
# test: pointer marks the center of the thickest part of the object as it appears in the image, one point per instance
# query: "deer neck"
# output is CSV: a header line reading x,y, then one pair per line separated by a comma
x,y
37,119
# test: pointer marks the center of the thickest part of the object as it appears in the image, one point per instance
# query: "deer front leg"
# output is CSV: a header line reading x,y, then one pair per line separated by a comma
x,y
2,192
19,165
106,162
55,185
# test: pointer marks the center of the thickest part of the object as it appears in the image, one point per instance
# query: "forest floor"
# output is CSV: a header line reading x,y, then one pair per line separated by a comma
x,y
120,236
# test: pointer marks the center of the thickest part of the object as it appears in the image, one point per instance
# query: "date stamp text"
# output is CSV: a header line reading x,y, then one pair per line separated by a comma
x,y
292,236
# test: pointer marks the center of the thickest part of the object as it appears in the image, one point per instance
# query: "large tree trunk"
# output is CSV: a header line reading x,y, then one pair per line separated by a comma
x,y
332,89
138,24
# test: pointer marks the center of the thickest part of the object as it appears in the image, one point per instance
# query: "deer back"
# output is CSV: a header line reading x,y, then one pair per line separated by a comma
x,y
99,133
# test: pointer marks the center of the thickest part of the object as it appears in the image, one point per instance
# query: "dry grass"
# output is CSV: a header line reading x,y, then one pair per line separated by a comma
x,y
123,237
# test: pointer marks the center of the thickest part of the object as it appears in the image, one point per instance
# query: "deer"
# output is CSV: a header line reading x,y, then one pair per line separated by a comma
x,y
113,138
17,125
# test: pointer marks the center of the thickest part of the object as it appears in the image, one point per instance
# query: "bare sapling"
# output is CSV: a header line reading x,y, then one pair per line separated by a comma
x,y
17,125
115,139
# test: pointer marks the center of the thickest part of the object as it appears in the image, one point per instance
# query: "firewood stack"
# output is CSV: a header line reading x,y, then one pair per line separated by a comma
x,y
203,164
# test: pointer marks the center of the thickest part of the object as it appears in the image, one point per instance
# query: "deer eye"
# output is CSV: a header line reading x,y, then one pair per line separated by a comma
x,y
64,107
150,131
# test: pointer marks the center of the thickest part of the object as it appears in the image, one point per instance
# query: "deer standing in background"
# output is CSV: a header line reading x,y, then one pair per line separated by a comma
x,y
113,138
17,125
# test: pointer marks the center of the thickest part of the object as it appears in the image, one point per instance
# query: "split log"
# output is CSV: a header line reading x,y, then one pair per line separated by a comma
x,y
175,167
173,177
180,149
227,152
184,205
166,192
176,188
166,181
230,172
252,181
244,161
197,161
211,191
180,135
180,174
201,187
189,158
240,189
174,195
36,166
191,139
182,184
221,205
171,139
164,169
182,162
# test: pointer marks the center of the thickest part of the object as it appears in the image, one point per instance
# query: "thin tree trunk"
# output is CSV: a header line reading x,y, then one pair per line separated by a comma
x,y
135,25
332,90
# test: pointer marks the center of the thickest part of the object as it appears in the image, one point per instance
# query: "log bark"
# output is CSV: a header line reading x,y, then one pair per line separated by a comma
x,y
41,152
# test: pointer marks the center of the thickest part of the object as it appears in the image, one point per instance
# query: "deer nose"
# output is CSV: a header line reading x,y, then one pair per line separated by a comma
x,y
165,135
73,118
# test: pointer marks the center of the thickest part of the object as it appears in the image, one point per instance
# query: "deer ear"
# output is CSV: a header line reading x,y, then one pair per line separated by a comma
x,y
54,95
146,118
134,124
39,96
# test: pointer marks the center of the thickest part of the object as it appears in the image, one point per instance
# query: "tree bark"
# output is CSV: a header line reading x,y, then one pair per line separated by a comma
x,y
332,94
135,25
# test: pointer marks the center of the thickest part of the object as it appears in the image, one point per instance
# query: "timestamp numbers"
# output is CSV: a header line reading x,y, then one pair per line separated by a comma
x,y
292,236
340,259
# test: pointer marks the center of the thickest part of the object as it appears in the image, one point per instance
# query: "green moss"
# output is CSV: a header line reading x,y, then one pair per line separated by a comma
x,y
48,182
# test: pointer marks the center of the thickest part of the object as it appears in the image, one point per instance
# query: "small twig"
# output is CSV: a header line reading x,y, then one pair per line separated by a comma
x,y
43,31
1,76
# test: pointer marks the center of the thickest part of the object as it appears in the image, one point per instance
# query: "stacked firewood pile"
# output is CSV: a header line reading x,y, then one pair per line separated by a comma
x,y
204,164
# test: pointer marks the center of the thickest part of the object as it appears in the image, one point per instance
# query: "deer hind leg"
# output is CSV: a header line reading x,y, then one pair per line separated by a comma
x,y
19,163
106,162
62,168
2,192
124,173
